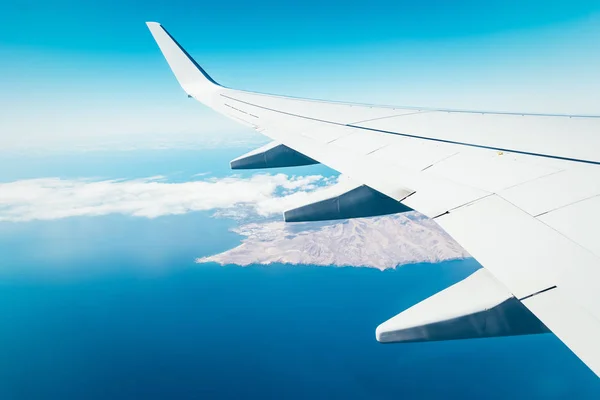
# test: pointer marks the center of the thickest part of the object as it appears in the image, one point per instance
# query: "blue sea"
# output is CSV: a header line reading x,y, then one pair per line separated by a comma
x,y
114,307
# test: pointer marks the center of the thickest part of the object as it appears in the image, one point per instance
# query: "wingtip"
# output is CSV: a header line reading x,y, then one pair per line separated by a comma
x,y
192,78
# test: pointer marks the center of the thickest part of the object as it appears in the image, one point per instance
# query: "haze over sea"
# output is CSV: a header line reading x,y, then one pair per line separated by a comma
x,y
114,306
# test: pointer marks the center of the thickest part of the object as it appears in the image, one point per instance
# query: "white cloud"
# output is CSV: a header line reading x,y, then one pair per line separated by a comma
x,y
54,198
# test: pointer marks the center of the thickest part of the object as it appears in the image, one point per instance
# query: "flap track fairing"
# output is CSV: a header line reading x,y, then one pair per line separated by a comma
x,y
476,307
273,155
358,202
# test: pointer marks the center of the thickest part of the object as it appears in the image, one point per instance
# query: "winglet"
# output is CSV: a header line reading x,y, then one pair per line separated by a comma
x,y
192,78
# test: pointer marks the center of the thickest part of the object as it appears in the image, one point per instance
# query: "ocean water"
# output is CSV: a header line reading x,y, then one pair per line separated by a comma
x,y
114,307
205,331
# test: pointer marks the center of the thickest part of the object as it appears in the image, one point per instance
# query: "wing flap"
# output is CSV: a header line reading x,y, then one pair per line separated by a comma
x,y
573,325
555,277
520,251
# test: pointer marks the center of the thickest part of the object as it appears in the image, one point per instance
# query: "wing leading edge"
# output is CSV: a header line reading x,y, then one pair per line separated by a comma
x,y
520,192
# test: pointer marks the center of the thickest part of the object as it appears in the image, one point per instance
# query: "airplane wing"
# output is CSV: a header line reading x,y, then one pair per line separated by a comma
x,y
520,192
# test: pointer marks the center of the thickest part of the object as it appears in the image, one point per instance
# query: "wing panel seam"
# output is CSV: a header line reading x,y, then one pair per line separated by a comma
x,y
536,293
528,153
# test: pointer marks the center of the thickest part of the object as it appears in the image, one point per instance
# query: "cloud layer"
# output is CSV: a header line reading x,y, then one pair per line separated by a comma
x,y
55,198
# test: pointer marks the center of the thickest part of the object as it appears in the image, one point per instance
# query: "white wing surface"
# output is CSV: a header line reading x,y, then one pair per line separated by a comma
x,y
520,192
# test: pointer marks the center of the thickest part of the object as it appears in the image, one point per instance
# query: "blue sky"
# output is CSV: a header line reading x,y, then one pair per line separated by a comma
x,y
74,71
